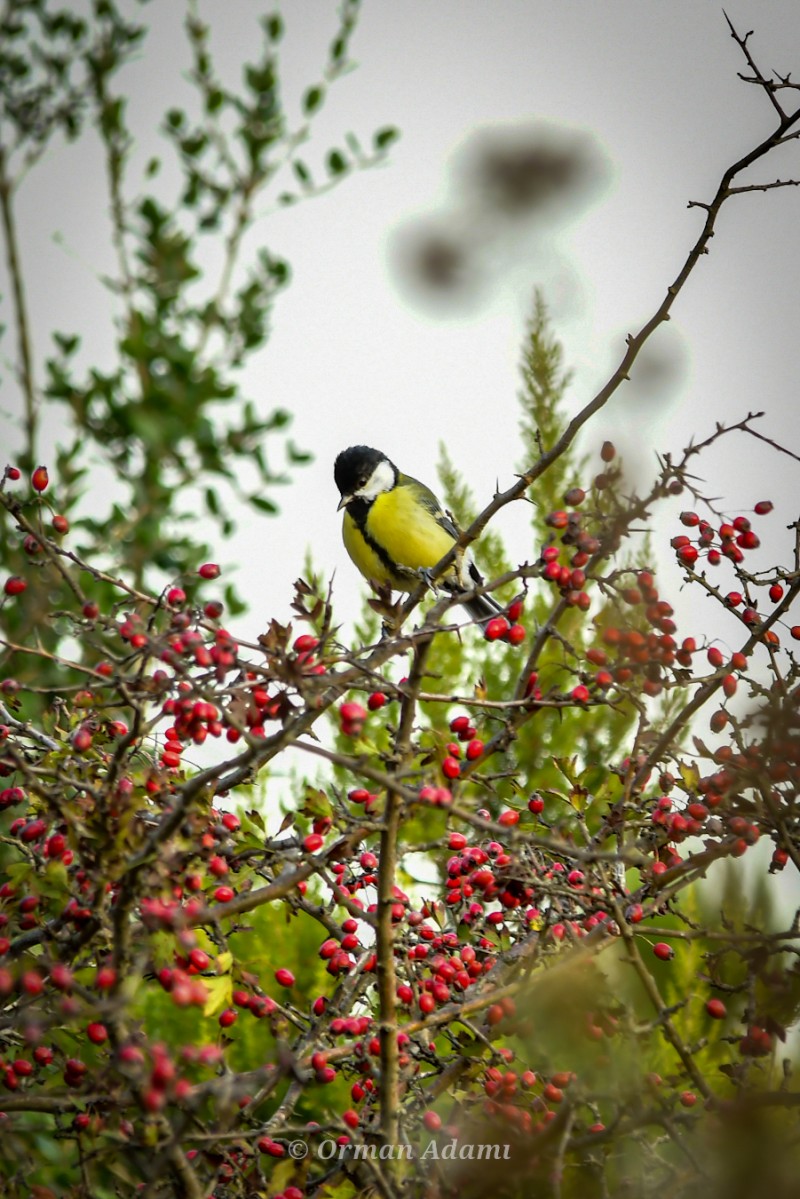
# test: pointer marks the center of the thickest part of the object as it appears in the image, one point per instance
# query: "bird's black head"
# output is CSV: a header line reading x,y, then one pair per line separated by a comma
x,y
362,473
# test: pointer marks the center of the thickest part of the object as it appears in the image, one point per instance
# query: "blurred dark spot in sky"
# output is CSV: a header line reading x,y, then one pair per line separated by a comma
x,y
438,268
659,372
531,171
511,187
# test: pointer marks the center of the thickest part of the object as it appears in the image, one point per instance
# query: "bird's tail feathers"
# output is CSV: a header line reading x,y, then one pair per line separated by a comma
x,y
480,607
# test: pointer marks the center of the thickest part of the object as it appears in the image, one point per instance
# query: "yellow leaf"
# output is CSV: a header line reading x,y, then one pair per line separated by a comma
x,y
577,797
224,963
690,775
219,992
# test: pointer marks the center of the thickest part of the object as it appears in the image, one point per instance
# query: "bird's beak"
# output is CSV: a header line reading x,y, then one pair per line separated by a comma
x,y
343,502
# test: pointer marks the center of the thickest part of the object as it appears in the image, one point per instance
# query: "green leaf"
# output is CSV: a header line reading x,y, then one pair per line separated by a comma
x,y
263,504
382,138
316,803
66,344
273,23
313,99
337,163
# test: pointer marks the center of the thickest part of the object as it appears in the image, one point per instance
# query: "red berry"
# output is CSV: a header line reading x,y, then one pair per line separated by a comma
x,y
40,479
284,977
352,713
224,894
729,685
688,1098
580,694
763,507
516,634
474,749
81,740
451,768
313,842
209,570
432,1121
15,585
97,1033
748,540
61,524
536,804
199,959
496,628
716,1009
228,1017
12,473
61,977
776,593
270,1147
663,951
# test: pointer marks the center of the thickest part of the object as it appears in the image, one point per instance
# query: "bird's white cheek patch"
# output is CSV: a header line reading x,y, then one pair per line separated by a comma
x,y
381,479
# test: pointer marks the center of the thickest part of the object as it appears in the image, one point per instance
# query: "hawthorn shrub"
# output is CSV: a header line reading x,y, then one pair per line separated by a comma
x,y
476,925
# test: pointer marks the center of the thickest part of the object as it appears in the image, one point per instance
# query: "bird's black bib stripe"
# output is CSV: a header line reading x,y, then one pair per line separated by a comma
x,y
359,511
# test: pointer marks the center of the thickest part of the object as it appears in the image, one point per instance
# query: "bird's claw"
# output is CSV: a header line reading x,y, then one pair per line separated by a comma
x,y
427,577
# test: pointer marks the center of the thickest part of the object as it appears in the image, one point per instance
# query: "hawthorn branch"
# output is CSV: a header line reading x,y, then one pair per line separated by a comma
x,y
654,995
757,78
387,875
634,343
763,187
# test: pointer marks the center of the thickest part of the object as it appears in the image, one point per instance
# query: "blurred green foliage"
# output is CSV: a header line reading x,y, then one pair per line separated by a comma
x,y
161,442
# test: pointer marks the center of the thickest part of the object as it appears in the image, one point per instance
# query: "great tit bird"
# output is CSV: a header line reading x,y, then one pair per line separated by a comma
x,y
395,531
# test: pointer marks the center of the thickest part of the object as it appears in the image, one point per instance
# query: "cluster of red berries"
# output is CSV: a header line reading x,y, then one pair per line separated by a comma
x,y
507,628
569,577
736,537
465,731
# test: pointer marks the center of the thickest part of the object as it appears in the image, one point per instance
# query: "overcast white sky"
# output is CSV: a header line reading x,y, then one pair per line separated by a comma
x,y
357,361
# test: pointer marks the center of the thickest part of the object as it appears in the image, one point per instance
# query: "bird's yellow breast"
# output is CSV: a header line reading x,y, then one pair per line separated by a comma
x,y
399,534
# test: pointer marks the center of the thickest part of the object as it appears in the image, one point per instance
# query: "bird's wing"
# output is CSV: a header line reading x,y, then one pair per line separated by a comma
x,y
429,500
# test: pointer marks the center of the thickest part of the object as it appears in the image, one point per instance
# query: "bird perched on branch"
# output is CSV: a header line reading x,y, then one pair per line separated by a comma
x,y
395,531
